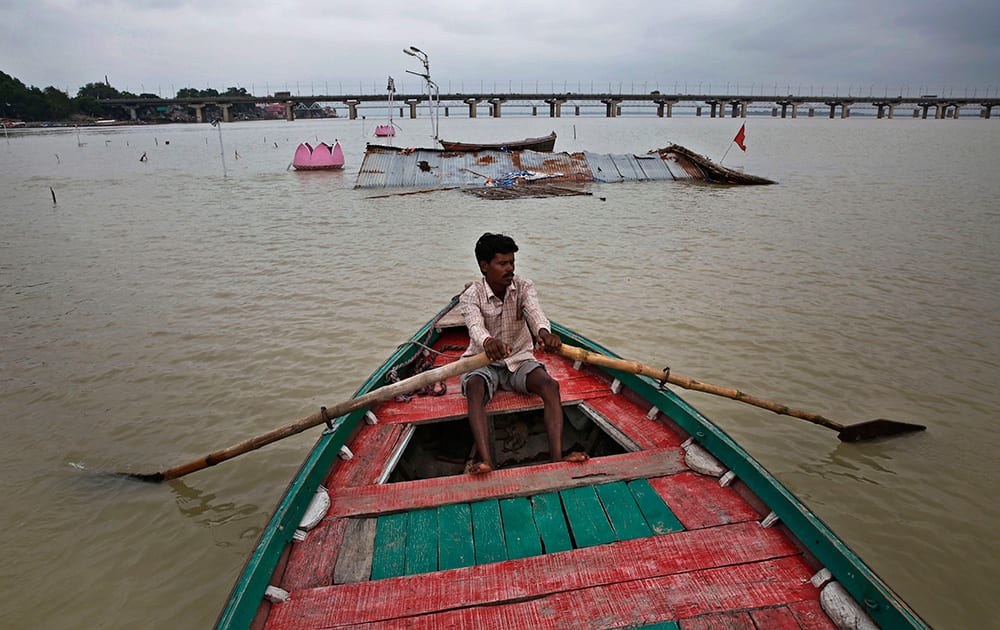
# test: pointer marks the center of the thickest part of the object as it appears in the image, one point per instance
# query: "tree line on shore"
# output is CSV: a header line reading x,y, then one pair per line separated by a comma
x,y
19,102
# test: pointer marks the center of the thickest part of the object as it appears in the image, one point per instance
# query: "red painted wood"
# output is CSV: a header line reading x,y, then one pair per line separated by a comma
x,y
727,621
753,561
810,615
371,448
779,618
631,418
311,562
616,604
698,501
510,482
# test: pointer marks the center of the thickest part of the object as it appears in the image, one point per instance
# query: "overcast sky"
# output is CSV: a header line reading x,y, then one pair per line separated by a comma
x,y
802,46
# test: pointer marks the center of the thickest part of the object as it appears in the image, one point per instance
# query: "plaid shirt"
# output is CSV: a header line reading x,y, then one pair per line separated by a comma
x,y
512,320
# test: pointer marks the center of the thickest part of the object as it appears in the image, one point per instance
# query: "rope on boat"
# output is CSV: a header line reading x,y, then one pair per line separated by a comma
x,y
422,361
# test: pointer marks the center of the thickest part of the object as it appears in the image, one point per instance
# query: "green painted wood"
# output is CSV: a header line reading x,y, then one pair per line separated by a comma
x,y
626,518
487,532
422,541
455,534
663,625
551,522
587,520
519,528
390,546
658,516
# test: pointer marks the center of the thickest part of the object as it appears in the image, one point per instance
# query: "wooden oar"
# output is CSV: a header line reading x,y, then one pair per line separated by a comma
x,y
847,433
404,386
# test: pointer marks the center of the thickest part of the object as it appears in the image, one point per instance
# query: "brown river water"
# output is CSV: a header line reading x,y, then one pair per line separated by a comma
x,y
160,311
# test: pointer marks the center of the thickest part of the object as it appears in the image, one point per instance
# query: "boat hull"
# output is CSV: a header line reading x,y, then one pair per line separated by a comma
x,y
643,533
544,144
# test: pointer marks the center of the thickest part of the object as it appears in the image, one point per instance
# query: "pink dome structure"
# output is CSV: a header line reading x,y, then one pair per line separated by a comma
x,y
322,157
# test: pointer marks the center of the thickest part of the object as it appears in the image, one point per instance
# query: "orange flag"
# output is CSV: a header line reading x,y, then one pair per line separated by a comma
x,y
741,138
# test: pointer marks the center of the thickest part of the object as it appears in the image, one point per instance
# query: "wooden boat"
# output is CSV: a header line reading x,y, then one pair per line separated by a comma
x,y
318,158
544,144
670,524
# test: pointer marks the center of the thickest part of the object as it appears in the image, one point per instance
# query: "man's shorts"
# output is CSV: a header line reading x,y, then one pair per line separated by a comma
x,y
497,375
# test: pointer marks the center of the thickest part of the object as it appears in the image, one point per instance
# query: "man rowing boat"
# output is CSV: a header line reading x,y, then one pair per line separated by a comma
x,y
502,314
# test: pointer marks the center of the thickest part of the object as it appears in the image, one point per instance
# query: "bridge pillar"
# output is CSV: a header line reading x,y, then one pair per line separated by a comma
x,y
199,114
289,111
713,104
784,108
743,109
892,110
611,107
133,113
413,102
735,108
845,110
473,103
986,110
555,107
227,116
352,109
495,103
795,110
833,109
664,104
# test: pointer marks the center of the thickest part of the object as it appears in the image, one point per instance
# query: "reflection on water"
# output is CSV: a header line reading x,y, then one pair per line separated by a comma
x,y
160,311
204,509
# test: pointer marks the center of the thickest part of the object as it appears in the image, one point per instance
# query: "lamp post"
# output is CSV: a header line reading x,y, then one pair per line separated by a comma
x,y
433,93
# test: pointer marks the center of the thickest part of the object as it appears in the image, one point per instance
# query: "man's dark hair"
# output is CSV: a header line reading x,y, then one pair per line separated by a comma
x,y
489,245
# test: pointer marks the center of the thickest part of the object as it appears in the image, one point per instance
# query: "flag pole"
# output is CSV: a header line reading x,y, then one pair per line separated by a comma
x,y
739,140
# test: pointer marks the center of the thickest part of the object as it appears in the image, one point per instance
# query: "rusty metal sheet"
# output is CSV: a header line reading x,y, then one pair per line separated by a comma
x,y
676,165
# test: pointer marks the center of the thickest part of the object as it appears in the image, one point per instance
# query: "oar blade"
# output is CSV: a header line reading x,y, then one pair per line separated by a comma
x,y
877,428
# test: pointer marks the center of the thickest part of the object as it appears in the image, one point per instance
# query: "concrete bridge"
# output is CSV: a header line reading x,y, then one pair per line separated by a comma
x,y
714,105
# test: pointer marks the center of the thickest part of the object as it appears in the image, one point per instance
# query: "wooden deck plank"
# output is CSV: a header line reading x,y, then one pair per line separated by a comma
x,y
422,541
810,615
390,546
372,445
455,535
631,418
621,605
778,618
625,516
311,561
354,563
724,621
659,516
519,528
395,497
699,501
487,532
644,581
551,522
587,521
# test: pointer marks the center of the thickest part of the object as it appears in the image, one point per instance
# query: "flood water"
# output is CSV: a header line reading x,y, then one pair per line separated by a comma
x,y
159,311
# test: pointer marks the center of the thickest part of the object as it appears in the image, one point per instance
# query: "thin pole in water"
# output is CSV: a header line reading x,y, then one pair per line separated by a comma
x,y
222,149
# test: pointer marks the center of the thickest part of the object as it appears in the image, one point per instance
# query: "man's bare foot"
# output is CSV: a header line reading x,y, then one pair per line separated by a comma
x,y
477,468
576,457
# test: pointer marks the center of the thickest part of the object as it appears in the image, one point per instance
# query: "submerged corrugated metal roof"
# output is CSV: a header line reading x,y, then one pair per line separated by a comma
x,y
391,167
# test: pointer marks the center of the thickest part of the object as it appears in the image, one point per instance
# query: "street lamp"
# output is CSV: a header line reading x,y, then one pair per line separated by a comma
x,y
433,93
